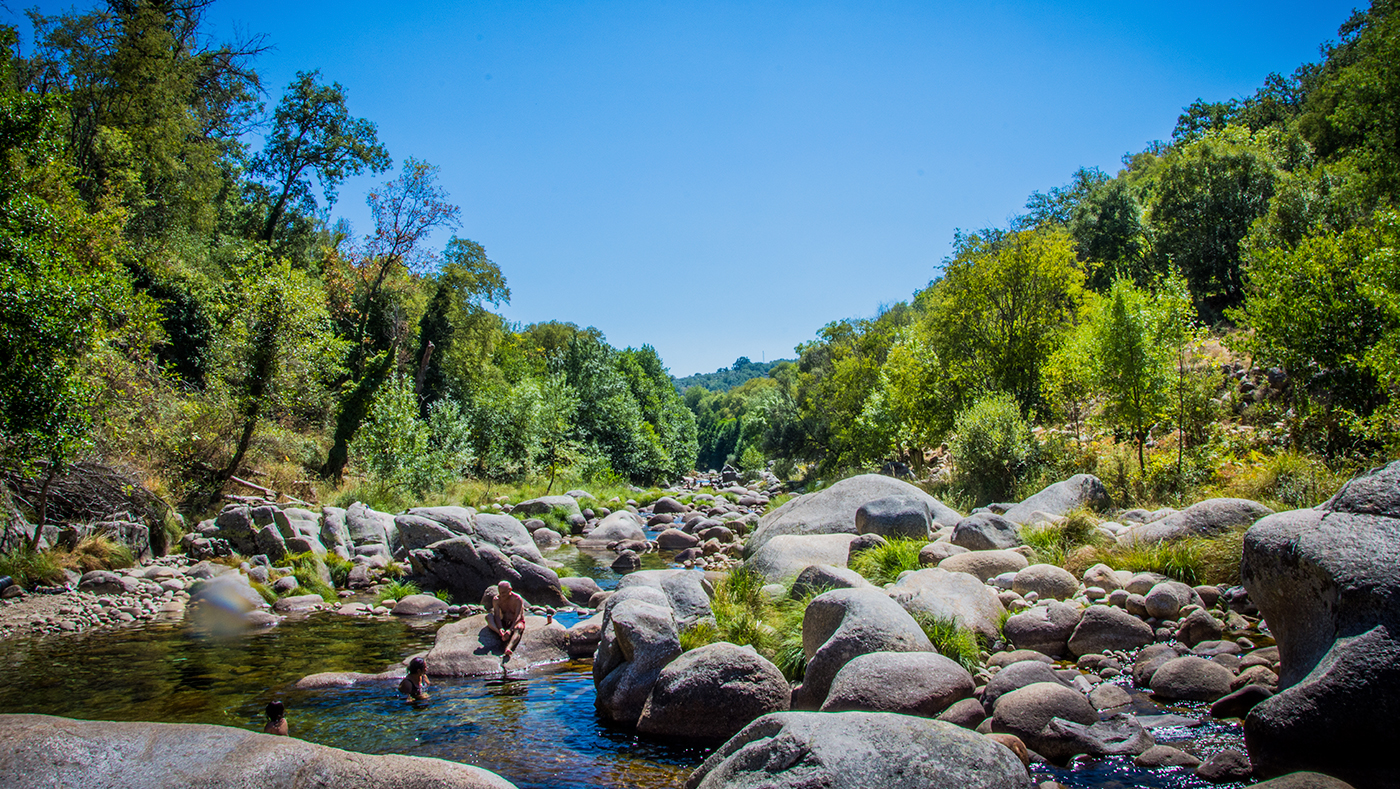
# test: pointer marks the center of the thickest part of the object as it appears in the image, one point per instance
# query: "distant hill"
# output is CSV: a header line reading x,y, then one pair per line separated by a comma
x,y
724,379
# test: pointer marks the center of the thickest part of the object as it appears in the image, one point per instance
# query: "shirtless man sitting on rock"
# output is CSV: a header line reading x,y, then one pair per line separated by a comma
x,y
507,617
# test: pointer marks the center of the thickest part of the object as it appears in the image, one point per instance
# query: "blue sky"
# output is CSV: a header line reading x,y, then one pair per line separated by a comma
x,y
723,179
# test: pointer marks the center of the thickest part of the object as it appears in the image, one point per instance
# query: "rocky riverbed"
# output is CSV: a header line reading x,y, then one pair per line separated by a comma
x,y
1097,667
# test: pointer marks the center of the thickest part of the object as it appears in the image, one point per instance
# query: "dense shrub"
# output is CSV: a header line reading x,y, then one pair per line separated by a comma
x,y
992,449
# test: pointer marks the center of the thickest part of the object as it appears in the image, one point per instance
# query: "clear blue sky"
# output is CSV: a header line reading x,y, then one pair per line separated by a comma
x,y
722,179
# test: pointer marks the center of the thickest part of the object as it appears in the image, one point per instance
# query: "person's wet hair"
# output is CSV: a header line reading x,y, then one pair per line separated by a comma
x,y
276,711
418,666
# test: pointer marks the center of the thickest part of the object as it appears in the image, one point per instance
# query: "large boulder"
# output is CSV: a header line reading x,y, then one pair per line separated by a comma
x,y
910,683
615,527
956,596
1029,711
786,555
858,750
43,751
833,510
845,623
712,692
639,637
1044,628
1080,490
468,648
986,531
984,564
1107,628
1203,519
686,592
488,549
823,578
372,531
1327,580
901,516
335,535
1018,675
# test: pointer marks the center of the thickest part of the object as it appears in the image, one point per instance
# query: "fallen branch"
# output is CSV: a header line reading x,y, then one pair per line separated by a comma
x,y
270,493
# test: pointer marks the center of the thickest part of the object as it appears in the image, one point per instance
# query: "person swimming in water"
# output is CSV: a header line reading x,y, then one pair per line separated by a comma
x,y
276,719
507,618
414,686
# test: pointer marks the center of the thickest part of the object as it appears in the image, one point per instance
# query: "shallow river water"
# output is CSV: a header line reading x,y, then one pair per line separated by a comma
x,y
536,728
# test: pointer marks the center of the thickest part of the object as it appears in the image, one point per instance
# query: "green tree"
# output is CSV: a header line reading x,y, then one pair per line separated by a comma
x,y
1309,316
991,448
313,133
1207,194
1136,339
1000,311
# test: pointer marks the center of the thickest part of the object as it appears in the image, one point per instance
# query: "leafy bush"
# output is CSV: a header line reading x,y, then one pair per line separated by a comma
x,y
951,640
883,563
443,595
991,448
398,590
399,451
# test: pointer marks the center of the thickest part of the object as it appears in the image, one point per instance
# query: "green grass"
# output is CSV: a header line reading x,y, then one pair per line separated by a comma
x,y
1054,542
306,568
443,595
951,640
744,615
339,569
264,590
397,590
30,568
1199,560
883,564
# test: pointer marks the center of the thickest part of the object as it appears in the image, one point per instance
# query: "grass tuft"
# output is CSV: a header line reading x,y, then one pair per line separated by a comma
x,y
398,590
951,640
883,563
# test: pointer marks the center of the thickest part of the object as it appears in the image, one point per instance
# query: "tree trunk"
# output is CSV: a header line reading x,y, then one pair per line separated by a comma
x,y
42,509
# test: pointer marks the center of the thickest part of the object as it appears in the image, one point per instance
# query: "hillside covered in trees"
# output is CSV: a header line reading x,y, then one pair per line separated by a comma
x,y
727,378
1227,303
181,304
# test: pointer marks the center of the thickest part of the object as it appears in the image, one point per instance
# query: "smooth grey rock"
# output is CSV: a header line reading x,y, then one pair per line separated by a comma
x,y
686,592
1225,766
1106,578
833,510
639,638
1108,696
1047,581
419,605
1199,626
305,602
579,589
468,648
488,549
1016,676
957,596
1044,628
909,683
676,540
1204,519
786,555
1327,580
966,713
984,564
1238,703
986,531
1165,756
1191,678
712,692
1080,490
1118,735
1004,659
58,752
418,532
845,623
823,578
1027,713
858,750
933,553
1105,628
900,516
1166,599
101,582
618,526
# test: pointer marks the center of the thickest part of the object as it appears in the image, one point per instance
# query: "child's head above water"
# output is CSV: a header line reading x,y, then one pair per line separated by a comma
x,y
418,666
275,711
